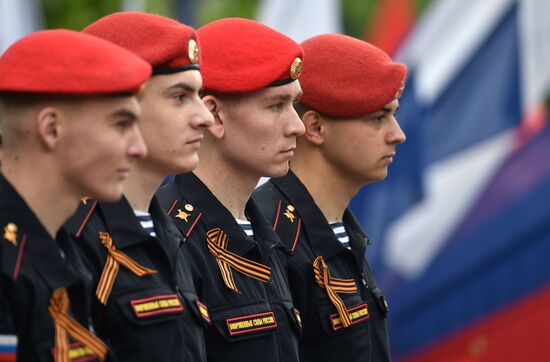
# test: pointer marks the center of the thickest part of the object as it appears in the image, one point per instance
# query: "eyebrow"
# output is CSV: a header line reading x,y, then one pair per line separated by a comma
x,y
125,113
182,86
389,109
283,97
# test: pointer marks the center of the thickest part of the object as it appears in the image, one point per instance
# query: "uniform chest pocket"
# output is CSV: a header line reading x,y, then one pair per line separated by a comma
x,y
245,321
151,306
358,313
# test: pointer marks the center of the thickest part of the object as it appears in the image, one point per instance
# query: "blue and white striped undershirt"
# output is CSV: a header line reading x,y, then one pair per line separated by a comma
x,y
146,222
246,226
339,231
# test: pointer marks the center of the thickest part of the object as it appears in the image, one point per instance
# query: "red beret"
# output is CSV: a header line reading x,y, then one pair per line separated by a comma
x,y
69,62
241,55
169,46
347,77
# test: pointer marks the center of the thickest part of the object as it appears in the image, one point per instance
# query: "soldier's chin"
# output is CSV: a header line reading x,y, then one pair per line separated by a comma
x,y
278,171
107,195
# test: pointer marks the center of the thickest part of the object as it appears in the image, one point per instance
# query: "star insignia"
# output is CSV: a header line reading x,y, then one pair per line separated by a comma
x,y
289,215
10,233
182,215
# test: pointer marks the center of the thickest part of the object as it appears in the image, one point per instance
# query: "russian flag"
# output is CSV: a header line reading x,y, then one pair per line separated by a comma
x,y
8,348
461,226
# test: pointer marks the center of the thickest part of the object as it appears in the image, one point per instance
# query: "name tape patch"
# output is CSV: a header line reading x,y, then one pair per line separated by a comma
x,y
251,323
77,353
80,353
356,314
161,304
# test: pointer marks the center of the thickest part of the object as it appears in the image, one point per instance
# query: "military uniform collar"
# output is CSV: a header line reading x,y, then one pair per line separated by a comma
x,y
124,226
215,215
321,237
34,245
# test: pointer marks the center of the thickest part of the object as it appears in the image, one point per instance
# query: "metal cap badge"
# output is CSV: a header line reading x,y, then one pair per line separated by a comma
x,y
193,51
296,68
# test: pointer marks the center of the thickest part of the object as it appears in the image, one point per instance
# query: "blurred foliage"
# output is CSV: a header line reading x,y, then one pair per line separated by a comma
x,y
210,10
356,15
76,14
162,7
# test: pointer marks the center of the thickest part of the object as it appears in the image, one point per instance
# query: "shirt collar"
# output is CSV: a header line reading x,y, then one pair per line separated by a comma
x,y
216,215
321,237
40,250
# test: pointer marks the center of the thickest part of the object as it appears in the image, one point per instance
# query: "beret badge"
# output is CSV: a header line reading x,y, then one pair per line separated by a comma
x,y
193,51
296,68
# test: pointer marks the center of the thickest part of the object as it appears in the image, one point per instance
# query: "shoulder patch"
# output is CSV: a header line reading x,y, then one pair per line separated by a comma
x,y
184,216
287,225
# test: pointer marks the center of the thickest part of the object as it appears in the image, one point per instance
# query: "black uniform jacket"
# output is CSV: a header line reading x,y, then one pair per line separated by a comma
x,y
33,266
154,317
307,235
258,322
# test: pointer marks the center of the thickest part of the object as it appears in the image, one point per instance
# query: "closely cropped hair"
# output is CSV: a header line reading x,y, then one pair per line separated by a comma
x,y
301,108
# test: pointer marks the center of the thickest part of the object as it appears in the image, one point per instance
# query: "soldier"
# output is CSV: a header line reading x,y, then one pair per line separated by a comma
x,y
250,77
351,92
68,129
146,306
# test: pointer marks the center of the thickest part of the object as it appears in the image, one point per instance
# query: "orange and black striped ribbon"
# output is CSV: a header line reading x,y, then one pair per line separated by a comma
x,y
66,326
333,287
217,245
112,264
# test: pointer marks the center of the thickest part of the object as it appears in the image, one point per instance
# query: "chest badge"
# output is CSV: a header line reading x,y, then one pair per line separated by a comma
x,y
288,213
182,215
10,233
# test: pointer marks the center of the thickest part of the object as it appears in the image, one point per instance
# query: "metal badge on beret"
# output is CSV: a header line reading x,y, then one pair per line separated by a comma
x,y
399,91
193,51
295,68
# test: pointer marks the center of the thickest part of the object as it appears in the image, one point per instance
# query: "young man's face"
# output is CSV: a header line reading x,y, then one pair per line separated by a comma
x,y
362,148
261,129
173,120
100,141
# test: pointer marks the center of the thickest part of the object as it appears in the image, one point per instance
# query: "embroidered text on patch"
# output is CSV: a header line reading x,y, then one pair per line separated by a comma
x,y
251,323
356,314
162,304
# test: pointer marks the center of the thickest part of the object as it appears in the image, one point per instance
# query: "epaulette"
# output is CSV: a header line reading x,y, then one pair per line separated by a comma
x,y
184,215
287,225
76,223
13,245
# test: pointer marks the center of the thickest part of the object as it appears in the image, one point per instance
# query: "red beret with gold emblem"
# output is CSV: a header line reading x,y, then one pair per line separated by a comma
x,y
168,45
241,55
68,62
347,77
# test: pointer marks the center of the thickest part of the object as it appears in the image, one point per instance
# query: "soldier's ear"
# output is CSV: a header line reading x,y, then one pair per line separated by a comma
x,y
314,125
48,126
216,107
